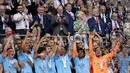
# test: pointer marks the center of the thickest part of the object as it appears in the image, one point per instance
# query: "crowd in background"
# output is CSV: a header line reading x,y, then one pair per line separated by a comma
x,y
65,36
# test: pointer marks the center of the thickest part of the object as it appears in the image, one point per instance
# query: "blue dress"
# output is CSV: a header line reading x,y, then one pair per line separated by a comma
x,y
61,68
82,66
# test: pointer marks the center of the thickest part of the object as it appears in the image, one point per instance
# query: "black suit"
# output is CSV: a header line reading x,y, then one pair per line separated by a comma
x,y
1,25
110,26
70,22
106,17
57,28
46,23
93,25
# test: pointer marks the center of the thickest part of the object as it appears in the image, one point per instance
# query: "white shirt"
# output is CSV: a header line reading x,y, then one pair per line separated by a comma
x,y
104,17
113,24
56,3
72,14
98,22
41,17
60,14
23,24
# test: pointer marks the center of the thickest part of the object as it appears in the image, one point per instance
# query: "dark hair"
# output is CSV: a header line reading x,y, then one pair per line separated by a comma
x,y
66,48
82,51
19,5
41,49
68,4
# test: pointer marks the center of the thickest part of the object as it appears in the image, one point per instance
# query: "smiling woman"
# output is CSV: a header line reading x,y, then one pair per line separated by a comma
x,y
80,24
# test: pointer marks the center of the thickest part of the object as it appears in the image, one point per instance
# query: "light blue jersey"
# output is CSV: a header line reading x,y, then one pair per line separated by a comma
x,y
1,59
9,65
24,58
63,67
40,65
124,63
82,66
51,65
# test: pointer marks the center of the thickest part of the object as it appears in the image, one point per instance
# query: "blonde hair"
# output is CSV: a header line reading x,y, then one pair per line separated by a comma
x,y
78,14
7,28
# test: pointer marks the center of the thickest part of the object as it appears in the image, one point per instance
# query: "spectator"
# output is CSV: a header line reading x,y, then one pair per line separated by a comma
x,y
60,24
95,24
121,14
21,20
103,16
70,17
45,6
8,32
43,21
126,27
52,9
86,11
80,26
96,3
114,23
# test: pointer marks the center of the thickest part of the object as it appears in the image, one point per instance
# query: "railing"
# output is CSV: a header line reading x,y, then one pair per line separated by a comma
x,y
104,43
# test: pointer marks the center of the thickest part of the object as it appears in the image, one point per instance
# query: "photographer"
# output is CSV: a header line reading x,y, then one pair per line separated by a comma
x,y
60,25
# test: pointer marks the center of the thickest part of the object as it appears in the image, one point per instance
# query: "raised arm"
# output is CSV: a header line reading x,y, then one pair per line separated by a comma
x,y
58,49
38,35
53,48
75,53
91,52
23,43
37,44
70,53
68,38
113,52
61,41
4,53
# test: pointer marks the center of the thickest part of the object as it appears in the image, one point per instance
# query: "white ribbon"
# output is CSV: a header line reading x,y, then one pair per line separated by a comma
x,y
11,61
64,61
49,64
30,58
42,64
